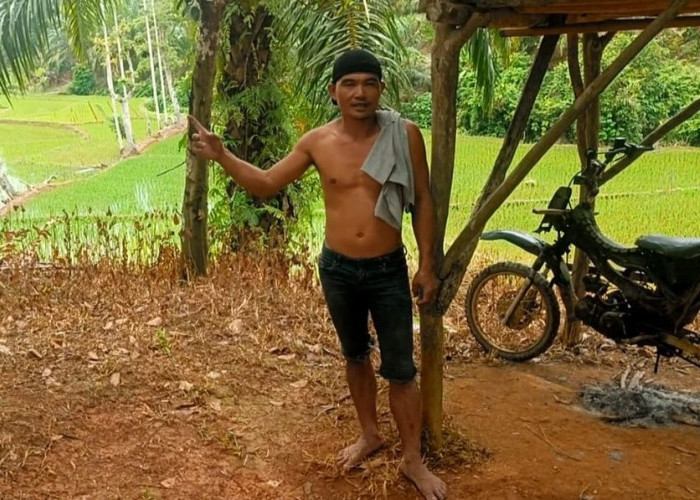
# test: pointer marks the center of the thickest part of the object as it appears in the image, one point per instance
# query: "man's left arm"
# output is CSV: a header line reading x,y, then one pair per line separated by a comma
x,y
424,283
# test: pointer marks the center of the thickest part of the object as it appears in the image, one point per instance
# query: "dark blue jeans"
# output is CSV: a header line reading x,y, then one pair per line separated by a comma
x,y
356,288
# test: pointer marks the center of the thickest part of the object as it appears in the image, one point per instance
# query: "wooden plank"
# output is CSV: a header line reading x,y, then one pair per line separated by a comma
x,y
621,7
598,27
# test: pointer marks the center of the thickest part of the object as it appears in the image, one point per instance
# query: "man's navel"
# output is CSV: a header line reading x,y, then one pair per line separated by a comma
x,y
360,234
333,180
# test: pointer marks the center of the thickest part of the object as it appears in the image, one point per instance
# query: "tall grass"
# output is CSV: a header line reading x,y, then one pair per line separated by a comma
x,y
660,193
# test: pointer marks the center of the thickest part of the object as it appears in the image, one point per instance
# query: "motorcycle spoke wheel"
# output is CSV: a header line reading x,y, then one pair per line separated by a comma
x,y
513,329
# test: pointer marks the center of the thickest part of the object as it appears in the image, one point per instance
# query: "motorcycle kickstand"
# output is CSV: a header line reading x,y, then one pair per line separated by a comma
x,y
658,358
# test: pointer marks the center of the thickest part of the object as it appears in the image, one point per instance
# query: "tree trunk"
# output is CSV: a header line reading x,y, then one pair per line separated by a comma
x,y
157,36
154,84
249,132
110,87
173,95
432,334
445,75
194,206
126,111
587,131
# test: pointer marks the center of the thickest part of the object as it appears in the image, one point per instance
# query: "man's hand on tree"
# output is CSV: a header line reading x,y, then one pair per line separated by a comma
x,y
204,143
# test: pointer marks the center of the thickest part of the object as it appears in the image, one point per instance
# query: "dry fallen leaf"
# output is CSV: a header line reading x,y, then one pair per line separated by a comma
x,y
235,326
287,357
120,321
276,403
168,483
5,350
36,354
299,383
273,483
185,386
157,321
109,325
92,356
46,372
115,379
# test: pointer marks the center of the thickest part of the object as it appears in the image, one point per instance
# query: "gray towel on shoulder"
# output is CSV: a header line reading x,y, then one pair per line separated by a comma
x,y
389,163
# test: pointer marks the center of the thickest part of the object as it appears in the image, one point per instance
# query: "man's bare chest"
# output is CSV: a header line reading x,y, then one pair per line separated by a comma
x,y
341,165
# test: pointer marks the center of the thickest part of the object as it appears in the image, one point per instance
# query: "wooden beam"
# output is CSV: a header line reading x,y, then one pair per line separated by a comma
x,y
659,132
450,284
448,13
535,154
601,26
622,7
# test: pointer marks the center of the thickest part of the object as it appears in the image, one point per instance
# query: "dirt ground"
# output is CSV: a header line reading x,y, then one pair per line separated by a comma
x,y
124,384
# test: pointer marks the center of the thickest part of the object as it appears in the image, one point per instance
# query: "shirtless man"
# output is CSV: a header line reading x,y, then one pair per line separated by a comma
x,y
362,265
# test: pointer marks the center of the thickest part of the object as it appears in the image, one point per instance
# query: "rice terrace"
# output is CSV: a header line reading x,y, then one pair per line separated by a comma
x,y
167,333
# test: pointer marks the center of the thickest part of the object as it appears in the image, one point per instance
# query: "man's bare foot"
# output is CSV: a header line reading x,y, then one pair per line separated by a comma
x,y
430,486
356,453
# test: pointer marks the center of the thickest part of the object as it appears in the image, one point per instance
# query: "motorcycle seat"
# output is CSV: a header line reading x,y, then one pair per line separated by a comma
x,y
676,248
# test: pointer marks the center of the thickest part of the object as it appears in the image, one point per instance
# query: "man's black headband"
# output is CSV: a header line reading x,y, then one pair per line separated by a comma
x,y
356,61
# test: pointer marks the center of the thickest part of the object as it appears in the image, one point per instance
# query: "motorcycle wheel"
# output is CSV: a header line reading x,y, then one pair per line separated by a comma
x,y
533,322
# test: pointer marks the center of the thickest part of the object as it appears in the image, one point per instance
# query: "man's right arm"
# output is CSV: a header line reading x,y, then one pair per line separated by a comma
x,y
261,183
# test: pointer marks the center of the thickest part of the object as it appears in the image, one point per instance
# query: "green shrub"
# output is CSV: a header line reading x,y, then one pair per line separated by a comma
x,y
83,81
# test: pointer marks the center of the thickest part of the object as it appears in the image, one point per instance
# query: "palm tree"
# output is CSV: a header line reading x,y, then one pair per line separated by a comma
x,y
319,30
24,30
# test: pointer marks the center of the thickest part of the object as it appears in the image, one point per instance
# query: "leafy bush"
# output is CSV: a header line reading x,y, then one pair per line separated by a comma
x,y
419,110
83,81
652,89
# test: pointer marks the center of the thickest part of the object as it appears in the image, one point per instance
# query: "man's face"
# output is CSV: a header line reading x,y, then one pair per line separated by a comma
x,y
357,94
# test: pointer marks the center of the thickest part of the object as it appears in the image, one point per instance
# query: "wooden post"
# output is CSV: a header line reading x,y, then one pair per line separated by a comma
x,y
450,284
654,136
445,74
477,223
587,131
195,248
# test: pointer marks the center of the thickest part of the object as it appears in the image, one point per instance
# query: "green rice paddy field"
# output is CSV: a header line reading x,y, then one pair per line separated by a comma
x,y
61,137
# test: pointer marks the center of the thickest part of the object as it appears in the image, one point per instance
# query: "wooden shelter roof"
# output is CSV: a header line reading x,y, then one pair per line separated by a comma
x,y
542,17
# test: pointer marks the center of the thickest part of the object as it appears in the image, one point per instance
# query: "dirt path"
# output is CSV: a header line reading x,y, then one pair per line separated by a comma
x,y
141,147
542,447
233,388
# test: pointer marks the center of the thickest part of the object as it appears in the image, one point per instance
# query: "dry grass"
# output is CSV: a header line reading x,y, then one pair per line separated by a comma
x,y
128,378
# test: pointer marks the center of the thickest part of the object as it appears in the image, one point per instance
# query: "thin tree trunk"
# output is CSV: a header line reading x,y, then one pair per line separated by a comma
x,y
126,111
110,87
157,36
154,84
588,129
194,206
132,73
445,75
173,95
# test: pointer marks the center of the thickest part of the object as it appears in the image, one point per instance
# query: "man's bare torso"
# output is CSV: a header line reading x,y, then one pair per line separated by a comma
x,y
350,195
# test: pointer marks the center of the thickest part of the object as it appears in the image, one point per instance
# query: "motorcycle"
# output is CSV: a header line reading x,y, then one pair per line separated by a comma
x,y
644,295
